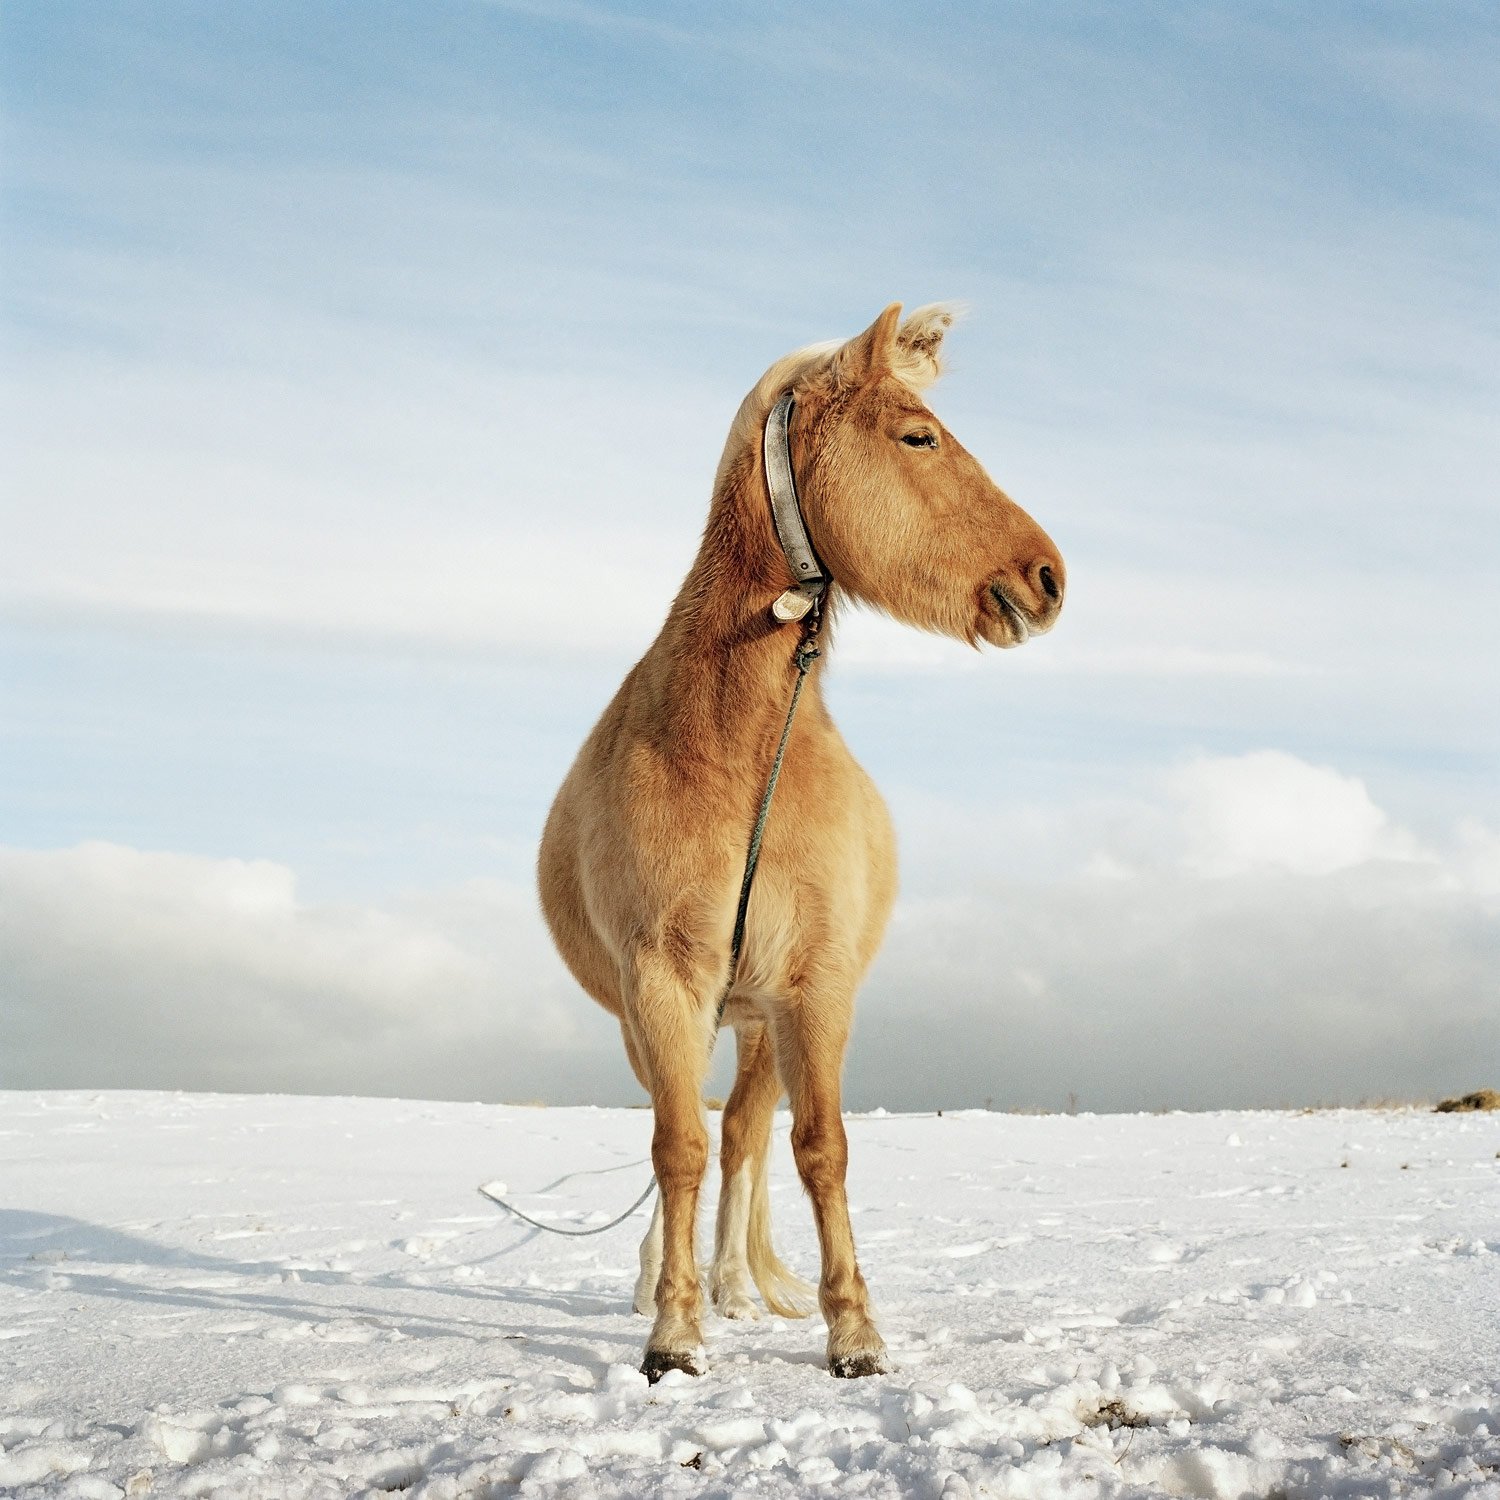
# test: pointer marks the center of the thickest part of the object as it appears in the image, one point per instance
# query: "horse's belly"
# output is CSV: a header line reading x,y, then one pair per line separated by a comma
x,y
561,884
824,893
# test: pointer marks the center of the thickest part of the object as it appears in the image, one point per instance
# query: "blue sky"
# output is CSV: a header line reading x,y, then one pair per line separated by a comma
x,y
364,374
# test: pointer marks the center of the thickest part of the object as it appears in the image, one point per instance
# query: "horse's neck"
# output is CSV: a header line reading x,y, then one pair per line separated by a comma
x,y
722,670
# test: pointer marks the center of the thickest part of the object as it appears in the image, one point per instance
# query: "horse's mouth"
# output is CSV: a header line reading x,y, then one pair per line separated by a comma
x,y
1018,629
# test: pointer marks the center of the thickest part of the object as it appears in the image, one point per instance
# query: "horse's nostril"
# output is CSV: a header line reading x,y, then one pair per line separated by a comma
x,y
1048,581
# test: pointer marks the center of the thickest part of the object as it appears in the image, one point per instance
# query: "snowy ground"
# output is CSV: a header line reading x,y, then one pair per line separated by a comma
x,y
282,1297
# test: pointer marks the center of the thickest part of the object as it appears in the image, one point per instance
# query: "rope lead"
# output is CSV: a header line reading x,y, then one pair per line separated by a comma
x,y
484,1192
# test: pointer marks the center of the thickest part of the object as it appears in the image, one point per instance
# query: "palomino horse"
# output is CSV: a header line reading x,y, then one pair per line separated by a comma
x,y
642,858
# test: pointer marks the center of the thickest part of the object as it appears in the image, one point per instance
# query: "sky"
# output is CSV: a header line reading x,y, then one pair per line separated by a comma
x,y
363,371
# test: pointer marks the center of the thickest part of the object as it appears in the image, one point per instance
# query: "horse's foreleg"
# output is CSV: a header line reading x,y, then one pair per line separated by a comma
x,y
671,1031
810,1038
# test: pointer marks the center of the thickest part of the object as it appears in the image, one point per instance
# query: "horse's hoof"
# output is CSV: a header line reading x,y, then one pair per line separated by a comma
x,y
856,1366
658,1361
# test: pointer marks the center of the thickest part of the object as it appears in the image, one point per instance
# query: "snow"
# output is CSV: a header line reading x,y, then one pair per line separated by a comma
x,y
210,1295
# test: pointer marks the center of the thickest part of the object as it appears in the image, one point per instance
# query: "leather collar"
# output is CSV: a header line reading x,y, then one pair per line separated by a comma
x,y
786,515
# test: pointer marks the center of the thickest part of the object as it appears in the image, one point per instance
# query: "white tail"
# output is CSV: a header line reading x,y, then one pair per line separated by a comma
x,y
782,1289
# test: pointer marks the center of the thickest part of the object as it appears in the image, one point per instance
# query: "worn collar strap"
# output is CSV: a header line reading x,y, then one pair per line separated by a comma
x,y
786,515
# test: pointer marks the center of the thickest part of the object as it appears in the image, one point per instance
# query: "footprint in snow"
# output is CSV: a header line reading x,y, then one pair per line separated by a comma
x,y
425,1246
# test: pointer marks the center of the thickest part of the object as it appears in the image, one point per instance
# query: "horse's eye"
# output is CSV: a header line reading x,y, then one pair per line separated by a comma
x,y
919,439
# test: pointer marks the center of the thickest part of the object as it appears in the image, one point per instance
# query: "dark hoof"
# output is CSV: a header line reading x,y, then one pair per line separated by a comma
x,y
658,1361
856,1366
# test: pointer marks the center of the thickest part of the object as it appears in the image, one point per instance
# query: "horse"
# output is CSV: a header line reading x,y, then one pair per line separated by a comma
x,y
642,858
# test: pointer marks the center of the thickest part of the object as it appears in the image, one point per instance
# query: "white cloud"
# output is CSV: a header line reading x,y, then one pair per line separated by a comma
x,y
1270,811
1476,861
130,968
1268,936
1250,930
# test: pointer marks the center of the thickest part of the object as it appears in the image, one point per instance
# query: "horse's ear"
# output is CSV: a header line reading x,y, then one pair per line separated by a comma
x,y
919,343
872,352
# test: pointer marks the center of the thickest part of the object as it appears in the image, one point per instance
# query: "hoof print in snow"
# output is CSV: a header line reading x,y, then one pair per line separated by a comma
x,y
856,1366
658,1361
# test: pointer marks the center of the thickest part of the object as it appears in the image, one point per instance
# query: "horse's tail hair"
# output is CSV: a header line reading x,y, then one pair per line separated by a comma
x,y
783,1290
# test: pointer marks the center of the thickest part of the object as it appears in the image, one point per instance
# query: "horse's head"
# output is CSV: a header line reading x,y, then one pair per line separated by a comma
x,y
900,512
